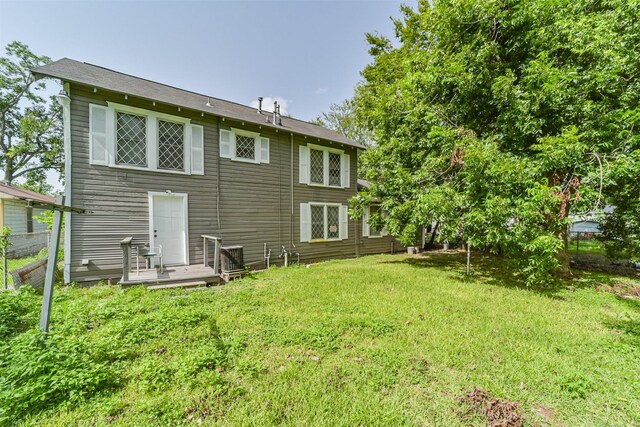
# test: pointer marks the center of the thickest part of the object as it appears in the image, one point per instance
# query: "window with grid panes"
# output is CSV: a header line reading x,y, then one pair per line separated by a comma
x,y
334,169
316,159
131,139
333,222
245,147
317,222
170,145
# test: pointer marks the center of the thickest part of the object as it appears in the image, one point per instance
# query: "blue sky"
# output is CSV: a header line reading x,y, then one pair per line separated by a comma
x,y
306,53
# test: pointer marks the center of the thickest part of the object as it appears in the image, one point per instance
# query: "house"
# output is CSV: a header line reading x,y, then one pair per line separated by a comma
x,y
168,167
28,236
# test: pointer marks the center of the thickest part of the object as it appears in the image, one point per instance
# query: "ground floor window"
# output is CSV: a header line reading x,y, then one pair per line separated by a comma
x,y
323,221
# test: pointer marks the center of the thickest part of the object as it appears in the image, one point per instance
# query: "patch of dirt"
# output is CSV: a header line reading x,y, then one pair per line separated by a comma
x,y
622,290
498,412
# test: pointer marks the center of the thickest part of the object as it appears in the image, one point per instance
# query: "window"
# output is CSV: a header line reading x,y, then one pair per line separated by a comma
x,y
134,138
244,146
170,145
334,169
317,167
324,166
131,139
372,230
29,219
323,222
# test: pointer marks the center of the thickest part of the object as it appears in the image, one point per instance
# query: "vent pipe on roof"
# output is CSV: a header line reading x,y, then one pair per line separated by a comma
x,y
275,109
260,105
279,116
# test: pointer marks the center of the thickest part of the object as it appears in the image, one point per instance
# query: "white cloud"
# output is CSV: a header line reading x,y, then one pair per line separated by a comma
x,y
267,104
320,91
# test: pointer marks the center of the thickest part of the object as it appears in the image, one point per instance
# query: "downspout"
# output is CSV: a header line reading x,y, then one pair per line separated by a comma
x,y
65,101
218,179
292,207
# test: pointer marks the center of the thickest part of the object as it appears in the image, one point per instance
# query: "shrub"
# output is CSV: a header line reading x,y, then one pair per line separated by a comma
x,y
36,374
18,311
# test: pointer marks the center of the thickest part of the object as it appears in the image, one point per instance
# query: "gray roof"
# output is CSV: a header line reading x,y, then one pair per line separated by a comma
x,y
70,70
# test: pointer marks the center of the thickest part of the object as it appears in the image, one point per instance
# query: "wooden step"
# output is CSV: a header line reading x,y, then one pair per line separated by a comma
x,y
182,285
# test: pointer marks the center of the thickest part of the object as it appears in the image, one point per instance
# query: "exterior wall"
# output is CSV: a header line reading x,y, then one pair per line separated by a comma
x,y
245,204
15,216
116,200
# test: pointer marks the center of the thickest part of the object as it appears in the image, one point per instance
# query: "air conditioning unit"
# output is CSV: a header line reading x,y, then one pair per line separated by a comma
x,y
231,259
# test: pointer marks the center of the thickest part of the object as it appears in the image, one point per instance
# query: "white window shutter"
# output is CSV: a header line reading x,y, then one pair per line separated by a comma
x,y
226,143
304,164
305,222
264,150
197,149
365,222
346,171
98,124
344,222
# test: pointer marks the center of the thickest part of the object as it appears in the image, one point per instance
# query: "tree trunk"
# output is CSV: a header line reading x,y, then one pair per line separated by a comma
x,y
8,169
433,234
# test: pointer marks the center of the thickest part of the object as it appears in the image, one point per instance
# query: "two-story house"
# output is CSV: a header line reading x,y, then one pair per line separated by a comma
x,y
167,166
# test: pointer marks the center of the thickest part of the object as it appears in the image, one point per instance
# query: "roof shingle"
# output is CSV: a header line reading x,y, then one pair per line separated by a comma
x,y
92,75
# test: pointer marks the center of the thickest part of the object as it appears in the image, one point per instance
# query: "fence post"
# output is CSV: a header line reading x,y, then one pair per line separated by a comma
x,y
49,278
4,263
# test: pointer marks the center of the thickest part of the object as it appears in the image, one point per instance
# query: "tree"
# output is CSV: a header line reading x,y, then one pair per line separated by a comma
x,y
494,119
343,118
30,128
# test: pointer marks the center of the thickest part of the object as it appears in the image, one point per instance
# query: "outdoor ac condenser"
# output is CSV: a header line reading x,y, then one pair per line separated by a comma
x,y
231,259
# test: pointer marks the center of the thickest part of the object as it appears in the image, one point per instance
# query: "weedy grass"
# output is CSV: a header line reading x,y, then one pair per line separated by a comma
x,y
381,340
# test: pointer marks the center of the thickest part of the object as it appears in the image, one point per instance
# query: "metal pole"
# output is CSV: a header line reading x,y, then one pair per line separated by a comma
x,y
49,279
4,263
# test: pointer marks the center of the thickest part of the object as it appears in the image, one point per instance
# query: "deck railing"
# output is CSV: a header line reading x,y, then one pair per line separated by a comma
x,y
125,244
216,251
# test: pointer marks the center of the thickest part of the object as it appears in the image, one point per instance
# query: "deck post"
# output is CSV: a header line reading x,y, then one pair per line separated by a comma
x,y
125,244
216,256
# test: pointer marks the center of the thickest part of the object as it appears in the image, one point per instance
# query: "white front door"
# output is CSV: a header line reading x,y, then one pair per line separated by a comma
x,y
168,226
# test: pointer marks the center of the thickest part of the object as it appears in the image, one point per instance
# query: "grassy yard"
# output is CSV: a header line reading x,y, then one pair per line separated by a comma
x,y
375,341
586,247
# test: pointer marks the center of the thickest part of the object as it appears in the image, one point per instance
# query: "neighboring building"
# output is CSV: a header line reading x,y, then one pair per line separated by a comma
x,y
166,166
28,236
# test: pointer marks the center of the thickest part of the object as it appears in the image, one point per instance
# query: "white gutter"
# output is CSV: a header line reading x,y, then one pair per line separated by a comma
x,y
65,101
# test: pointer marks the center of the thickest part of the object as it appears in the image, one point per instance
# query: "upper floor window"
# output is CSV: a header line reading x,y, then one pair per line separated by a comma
x,y
245,146
170,145
131,139
124,136
324,166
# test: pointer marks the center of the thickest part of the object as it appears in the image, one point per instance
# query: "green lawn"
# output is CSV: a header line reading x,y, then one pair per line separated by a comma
x,y
586,247
375,341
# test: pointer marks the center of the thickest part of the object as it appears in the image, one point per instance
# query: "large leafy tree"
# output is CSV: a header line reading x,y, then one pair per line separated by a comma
x,y
497,118
343,118
30,127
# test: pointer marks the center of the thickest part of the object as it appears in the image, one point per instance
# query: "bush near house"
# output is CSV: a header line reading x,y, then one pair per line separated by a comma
x,y
382,340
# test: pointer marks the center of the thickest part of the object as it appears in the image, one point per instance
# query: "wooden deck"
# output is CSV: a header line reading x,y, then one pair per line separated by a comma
x,y
173,274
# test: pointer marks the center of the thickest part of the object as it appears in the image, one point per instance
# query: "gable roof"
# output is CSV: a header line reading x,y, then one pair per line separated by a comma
x,y
8,191
70,70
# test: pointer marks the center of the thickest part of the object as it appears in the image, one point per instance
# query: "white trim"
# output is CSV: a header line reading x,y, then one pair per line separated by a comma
x,y
366,228
66,132
185,201
325,167
310,222
152,138
257,146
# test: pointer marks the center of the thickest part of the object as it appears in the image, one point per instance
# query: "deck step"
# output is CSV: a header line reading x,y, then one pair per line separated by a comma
x,y
197,284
